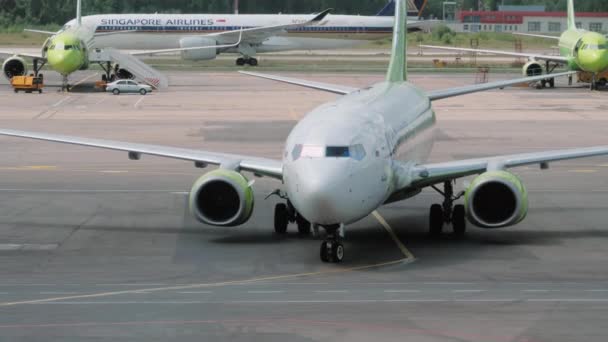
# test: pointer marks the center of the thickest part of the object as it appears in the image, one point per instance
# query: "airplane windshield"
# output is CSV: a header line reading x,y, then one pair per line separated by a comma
x,y
356,152
596,47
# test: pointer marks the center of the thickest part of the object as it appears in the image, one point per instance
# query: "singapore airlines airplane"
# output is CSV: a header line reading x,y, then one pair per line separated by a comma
x,y
82,41
349,157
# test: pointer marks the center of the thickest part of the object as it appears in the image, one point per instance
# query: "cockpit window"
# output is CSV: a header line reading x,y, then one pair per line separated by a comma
x,y
595,47
356,152
337,151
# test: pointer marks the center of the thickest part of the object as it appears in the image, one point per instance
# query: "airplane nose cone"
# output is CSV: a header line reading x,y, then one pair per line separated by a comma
x,y
324,192
64,62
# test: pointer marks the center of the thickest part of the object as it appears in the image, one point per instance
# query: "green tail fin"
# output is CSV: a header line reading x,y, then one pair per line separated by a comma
x,y
397,70
571,17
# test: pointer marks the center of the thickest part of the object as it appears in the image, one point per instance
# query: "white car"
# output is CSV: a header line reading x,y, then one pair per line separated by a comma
x,y
127,86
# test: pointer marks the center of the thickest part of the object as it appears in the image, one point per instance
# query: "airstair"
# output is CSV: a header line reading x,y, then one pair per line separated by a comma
x,y
140,70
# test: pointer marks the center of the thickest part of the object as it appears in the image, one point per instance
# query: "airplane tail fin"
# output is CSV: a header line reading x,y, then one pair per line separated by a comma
x,y
388,10
79,12
397,70
571,16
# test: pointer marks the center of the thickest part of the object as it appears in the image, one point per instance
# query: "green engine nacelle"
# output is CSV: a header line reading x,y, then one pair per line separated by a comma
x,y
221,198
496,199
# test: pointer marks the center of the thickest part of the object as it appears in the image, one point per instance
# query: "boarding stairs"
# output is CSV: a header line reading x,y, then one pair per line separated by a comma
x,y
142,71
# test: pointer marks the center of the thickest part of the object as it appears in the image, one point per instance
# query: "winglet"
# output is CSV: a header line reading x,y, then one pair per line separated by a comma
x,y
571,16
397,70
322,15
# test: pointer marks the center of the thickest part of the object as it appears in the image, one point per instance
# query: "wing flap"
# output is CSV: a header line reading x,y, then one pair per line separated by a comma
x,y
262,166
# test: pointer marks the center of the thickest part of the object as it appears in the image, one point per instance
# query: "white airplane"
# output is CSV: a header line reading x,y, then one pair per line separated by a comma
x,y
262,33
88,40
349,157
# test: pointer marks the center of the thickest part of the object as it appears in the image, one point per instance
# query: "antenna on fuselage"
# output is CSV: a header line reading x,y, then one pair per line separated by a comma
x,y
79,12
397,69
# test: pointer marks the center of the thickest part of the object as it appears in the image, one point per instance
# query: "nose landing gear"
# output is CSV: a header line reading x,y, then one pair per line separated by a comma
x,y
332,250
447,213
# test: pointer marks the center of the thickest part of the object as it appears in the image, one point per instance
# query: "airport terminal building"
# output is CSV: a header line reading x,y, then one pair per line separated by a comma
x,y
526,19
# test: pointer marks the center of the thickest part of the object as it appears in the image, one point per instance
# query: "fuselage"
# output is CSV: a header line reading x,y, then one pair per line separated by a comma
x,y
339,160
587,51
164,31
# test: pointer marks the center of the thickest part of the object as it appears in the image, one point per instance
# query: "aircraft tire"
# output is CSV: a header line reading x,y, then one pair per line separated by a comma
x,y
337,252
253,62
324,252
304,227
459,221
436,220
280,219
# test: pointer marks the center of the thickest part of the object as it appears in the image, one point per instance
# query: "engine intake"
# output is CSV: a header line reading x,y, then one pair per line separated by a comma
x,y
496,199
14,66
533,68
221,198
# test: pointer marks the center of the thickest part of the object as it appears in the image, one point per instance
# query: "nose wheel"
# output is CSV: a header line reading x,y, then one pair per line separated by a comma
x,y
332,250
447,213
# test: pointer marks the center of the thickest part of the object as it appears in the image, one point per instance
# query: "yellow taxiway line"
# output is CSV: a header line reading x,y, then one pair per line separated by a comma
x,y
406,252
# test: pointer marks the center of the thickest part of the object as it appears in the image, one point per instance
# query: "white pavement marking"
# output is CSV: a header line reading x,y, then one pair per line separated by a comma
x,y
597,290
136,105
330,301
410,257
203,285
27,247
263,292
58,103
58,293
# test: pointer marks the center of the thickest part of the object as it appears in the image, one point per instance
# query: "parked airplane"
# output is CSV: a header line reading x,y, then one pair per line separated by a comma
x,y
349,157
82,41
579,50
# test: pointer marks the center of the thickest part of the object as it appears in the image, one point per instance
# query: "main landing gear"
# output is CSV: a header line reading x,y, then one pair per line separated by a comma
x,y
247,60
284,214
447,212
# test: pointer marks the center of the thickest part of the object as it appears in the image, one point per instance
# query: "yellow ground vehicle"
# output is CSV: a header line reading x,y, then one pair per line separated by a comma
x,y
27,83
586,77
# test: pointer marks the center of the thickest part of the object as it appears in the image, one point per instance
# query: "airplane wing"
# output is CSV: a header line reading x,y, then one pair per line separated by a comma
x,y
259,34
535,35
422,25
331,88
158,52
447,93
48,33
557,59
7,54
433,95
261,166
429,174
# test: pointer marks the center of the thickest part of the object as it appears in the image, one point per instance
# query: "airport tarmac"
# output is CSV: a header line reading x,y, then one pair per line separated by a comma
x,y
94,246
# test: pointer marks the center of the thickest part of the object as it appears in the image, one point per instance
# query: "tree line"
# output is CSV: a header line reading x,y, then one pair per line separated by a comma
x,y
57,12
